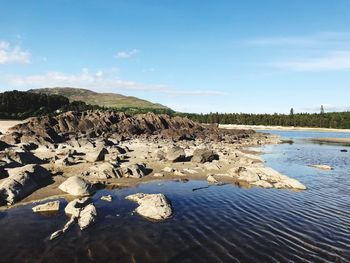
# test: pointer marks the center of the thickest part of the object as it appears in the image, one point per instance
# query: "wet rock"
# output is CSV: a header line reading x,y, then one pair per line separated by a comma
x,y
152,206
22,181
176,154
77,186
66,227
322,167
107,198
204,155
47,207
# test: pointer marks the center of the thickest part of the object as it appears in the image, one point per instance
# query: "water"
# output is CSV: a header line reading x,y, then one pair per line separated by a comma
x,y
217,224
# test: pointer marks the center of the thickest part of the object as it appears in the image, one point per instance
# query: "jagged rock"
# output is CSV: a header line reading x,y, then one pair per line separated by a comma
x,y
152,206
322,167
204,155
96,155
77,186
176,154
104,171
107,198
47,207
135,171
211,179
21,182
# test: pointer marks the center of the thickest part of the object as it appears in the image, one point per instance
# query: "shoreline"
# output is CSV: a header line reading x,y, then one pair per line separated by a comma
x,y
281,128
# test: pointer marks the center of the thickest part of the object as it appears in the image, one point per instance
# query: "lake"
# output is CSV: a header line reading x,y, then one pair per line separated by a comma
x,y
216,224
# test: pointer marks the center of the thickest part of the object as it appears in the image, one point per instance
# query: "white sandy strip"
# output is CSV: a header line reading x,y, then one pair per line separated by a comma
x,y
282,128
6,124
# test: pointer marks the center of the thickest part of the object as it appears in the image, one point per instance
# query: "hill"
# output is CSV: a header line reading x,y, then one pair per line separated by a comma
x,y
112,100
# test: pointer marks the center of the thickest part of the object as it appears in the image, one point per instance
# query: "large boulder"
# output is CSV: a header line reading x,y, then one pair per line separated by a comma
x,y
77,186
176,154
22,181
152,206
204,155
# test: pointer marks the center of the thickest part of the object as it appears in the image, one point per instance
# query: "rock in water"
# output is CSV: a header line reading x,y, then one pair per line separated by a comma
x,y
176,154
47,207
87,216
152,206
77,186
107,198
322,167
204,155
22,182
212,180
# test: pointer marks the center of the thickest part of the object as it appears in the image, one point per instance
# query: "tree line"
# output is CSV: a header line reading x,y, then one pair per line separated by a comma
x,y
339,120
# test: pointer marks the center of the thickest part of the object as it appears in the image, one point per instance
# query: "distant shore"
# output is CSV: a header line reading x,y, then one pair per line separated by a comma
x,y
280,128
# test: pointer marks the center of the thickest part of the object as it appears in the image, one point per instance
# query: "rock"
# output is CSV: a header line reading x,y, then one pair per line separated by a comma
x,y
73,207
47,207
135,171
158,175
152,206
344,150
204,155
87,216
176,154
290,183
104,170
248,175
190,171
178,173
168,169
263,184
212,180
107,198
66,227
96,155
77,186
22,181
160,155
211,166
322,167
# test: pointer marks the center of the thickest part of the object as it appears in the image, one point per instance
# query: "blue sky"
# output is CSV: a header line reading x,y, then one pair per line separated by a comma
x,y
194,56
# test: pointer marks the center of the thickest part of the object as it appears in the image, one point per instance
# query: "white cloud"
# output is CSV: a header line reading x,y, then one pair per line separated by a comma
x,y
13,54
127,54
99,81
339,60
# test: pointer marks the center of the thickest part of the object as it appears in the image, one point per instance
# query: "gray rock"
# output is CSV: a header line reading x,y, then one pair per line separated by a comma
x,y
77,186
135,171
152,206
53,206
22,181
176,154
204,155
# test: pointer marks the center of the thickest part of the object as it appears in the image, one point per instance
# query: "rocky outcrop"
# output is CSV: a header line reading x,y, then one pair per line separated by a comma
x,y
22,181
53,206
77,186
204,155
152,206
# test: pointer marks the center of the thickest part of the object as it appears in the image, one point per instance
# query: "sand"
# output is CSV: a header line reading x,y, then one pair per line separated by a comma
x,y
6,124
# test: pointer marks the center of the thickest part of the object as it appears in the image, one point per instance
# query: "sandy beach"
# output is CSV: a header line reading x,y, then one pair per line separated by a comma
x,y
282,128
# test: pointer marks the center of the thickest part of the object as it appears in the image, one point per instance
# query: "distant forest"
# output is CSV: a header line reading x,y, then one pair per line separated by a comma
x,y
339,120
21,105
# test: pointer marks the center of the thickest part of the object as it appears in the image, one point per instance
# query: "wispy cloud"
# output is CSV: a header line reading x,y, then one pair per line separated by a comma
x,y
335,61
99,81
13,54
127,54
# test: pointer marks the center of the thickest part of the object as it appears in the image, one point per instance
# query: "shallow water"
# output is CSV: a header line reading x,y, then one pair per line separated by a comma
x,y
216,224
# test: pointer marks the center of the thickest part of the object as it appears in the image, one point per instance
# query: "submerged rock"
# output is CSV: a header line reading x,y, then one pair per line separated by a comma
x,y
77,186
322,166
152,206
107,198
47,207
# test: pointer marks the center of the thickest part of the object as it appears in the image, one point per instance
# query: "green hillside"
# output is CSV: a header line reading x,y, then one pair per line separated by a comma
x,y
102,99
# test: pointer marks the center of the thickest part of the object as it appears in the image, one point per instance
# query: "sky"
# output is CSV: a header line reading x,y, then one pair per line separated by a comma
x,y
254,56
